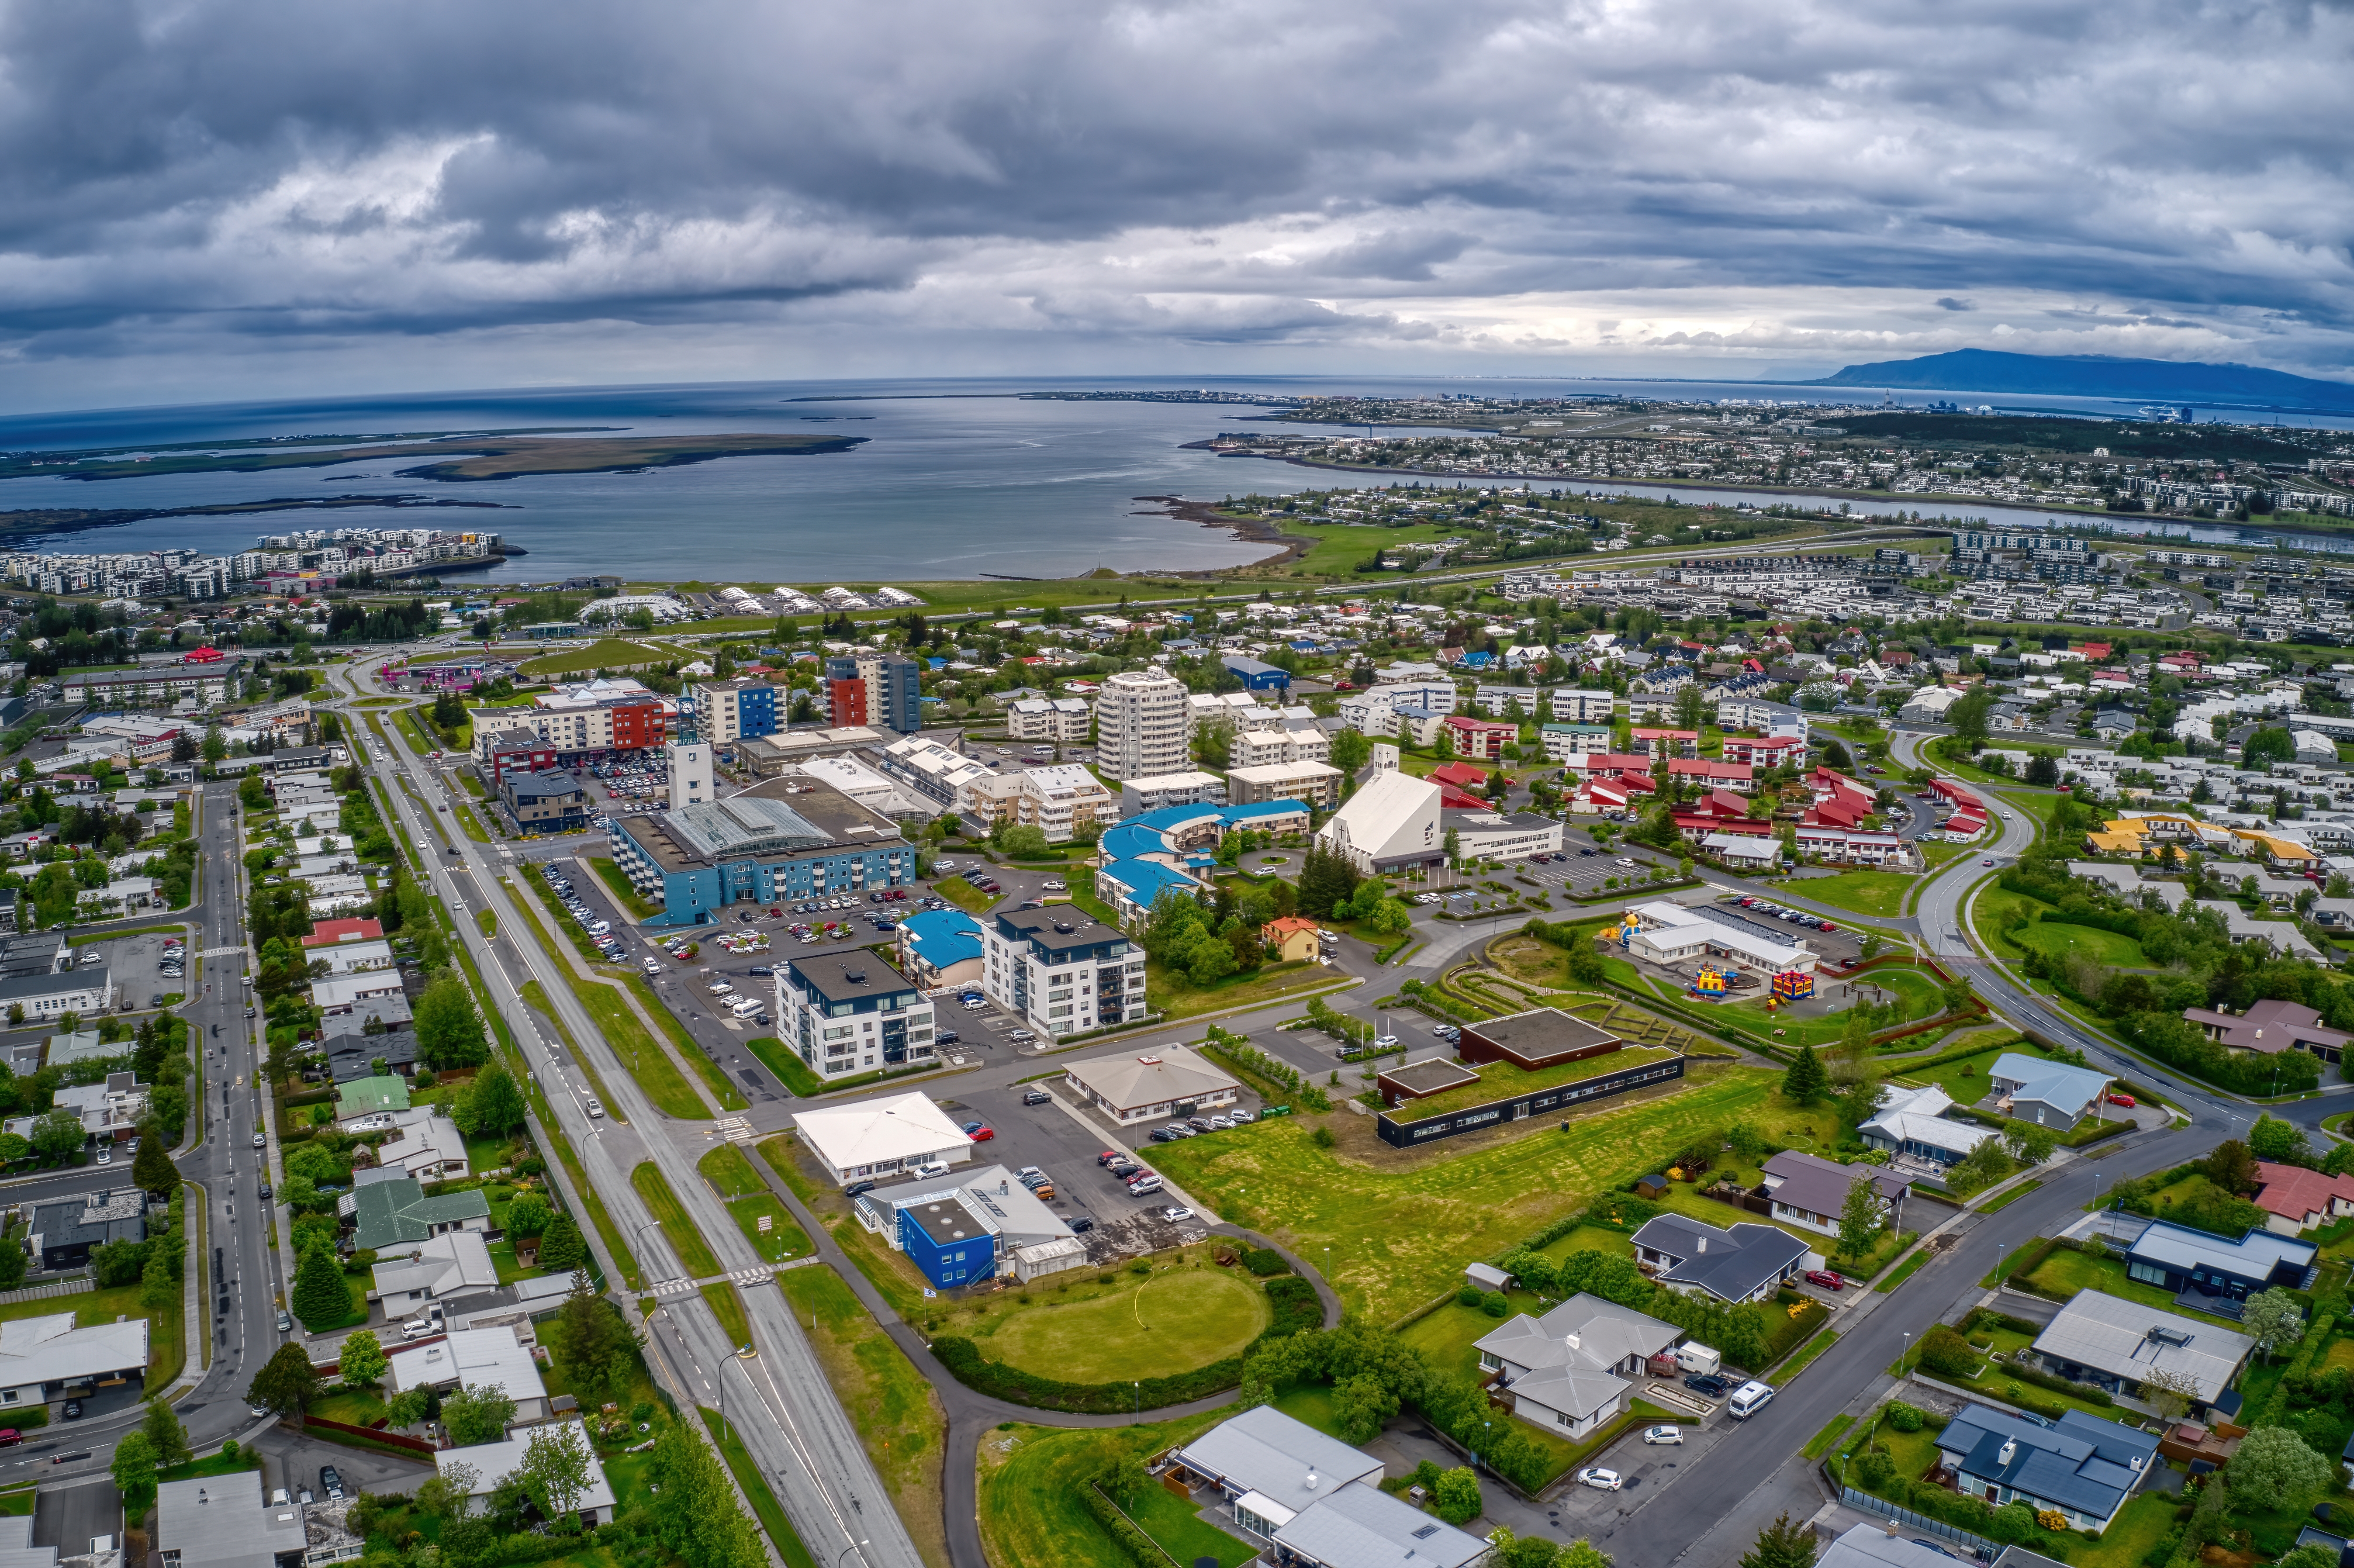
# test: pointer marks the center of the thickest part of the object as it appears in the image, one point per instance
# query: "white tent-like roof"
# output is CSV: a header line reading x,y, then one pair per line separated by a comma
x,y
1394,818
881,1135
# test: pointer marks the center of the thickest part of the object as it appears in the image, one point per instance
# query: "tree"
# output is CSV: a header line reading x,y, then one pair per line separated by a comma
x,y
477,1415
56,1134
528,1216
492,1105
152,1169
1021,840
409,1407
600,1345
1781,1544
1361,1405
2273,1466
159,1284
561,1250
2043,768
443,1494
1968,717
363,1359
555,1471
2272,1319
2171,1393
1581,1553
2266,746
319,1297
165,1435
1806,1081
1327,880
134,1474
449,1029
1457,1496
2281,1142
2030,1144
695,1513
1351,752
2310,1555
1860,1217
2230,1166
13,1264
286,1386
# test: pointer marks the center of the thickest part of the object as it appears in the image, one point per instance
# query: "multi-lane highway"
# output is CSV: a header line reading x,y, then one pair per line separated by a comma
x,y
791,1424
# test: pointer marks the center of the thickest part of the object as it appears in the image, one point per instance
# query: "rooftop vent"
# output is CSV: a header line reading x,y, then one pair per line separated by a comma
x,y
1149,1061
1311,1480
855,977
2164,1336
2010,1450
1065,929
1426,1532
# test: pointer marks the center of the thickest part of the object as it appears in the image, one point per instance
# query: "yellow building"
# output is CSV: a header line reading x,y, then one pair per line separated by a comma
x,y
1291,939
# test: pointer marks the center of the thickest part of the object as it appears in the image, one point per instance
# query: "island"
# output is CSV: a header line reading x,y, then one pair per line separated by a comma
x,y
455,458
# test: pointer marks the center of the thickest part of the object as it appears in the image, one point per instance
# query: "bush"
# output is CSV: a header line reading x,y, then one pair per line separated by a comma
x,y
1903,1417
1944,1351
1469,1296
1265,1262
1495,1305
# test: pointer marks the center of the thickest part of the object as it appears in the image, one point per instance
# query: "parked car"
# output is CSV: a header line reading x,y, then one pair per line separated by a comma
x,y
856,1188
1081,1223
1707,1384
1038,1098
1828,1279
1175,1213
1670,1436
980,1131
1109,1156
1594,1476
2125,1101
331,1482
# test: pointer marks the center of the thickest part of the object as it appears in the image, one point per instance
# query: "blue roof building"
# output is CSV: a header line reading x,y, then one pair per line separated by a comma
x,y
1258,677
1147,855
2049,1094
940,947
2081,1466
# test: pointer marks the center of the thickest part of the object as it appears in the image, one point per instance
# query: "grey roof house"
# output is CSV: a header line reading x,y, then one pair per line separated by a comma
x,y
1747,1263
1265,1456
1361,1526
63,1232
2080,1466
221,1521
2049,1093
384,1214
2113,1343
1810,1191
1567,1370
2219,1273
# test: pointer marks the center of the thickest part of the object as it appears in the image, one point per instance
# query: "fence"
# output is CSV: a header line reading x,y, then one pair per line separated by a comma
x,y
1977,1544
43,1292
396,1439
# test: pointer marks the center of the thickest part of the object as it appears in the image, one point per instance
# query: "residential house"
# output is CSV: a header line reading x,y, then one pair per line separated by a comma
x,y
2270,1026
1291,939
2049,1093
1747,1263
39,1356
1571,1370
2080,1466
2296,1200
370,1097
473,1358
1870,1546
1810,1192
2115,1344
61,1233
490,1464
439,1268
1362,1526
426,1144
1911,1124
2215,1273
221,1521
388,1213
941,948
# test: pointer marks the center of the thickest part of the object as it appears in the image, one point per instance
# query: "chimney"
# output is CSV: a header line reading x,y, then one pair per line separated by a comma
x,y
1703,1244
1572,1340
2009,1451
1311,1480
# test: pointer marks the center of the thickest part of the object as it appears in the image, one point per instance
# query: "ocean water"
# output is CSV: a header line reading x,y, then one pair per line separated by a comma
x,y
953,478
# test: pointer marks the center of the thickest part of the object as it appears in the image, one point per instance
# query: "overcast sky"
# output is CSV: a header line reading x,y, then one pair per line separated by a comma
x,y
207,199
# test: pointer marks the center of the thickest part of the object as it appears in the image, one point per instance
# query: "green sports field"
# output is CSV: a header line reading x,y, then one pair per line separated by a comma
x,y
1170,1321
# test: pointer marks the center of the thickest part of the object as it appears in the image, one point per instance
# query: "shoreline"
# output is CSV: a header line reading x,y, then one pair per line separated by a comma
x,y
1939,497
1246,530
38,522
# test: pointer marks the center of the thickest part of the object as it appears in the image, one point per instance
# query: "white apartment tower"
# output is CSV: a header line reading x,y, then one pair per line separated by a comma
x,y
1141,726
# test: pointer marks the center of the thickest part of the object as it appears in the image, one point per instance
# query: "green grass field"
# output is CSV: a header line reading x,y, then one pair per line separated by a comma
x,y
1169,1322
1175,1527
899,1419
790,1069
694,1253
1865,892
1390,1238
2102,946
1032,1515
765,1507
2064,1273
621,888
748,1199
605,653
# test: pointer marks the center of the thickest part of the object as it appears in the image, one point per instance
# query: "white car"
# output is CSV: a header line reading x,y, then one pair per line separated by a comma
x,y
2006,816
1599,1478
1385,1042
1673,1436
1175,1213
1622,859
596,1107
1053,885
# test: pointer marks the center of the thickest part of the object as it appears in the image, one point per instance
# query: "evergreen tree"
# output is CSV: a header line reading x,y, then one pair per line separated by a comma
x,y
319,1297
1784,1543
166,1436
449,1029
154,1170
1806,1081
286,1383
493,1103
561,1250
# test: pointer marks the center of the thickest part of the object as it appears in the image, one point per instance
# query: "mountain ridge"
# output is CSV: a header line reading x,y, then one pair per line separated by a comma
x,y
2099,375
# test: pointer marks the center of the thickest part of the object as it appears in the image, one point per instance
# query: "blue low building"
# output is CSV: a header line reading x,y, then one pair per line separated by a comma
x,y
2214,1273
1257,676
940,947
782,840
971,1227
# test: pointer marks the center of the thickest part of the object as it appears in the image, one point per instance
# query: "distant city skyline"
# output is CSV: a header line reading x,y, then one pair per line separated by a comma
x,y
260,199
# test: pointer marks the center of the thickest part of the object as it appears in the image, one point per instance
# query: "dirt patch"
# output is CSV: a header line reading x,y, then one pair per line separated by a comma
x,y
1251,530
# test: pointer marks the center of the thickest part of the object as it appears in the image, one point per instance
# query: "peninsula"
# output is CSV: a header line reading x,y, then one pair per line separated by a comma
x,y
459,458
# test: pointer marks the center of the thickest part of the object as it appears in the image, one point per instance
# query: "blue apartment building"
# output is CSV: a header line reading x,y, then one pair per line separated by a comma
x,y
780,842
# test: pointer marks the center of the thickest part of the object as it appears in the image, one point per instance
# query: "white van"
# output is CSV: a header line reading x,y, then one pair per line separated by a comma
x,y
1749,1400
1696,1358
744,1006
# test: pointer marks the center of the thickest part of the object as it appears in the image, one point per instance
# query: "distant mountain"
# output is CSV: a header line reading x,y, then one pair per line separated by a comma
x,y
2098,375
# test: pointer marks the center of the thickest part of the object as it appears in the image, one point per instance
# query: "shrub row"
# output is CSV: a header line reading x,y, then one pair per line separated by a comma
x,y
1141,1549
1296,1307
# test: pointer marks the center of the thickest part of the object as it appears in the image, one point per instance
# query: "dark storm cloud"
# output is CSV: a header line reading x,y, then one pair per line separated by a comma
x,y
1747,177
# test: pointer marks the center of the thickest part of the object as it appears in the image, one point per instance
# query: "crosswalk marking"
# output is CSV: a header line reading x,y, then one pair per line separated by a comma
x,y
679,1287
218,952
753,1276
736,1130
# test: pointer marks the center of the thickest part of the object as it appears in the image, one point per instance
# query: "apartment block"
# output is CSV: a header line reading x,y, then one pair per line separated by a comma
x,y
730,711
1141,726
1061,720
1310,783
1057,800
1267,748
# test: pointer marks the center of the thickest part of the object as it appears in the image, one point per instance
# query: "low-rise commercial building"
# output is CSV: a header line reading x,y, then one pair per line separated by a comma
x,y
1172,1081
550,803
875,1140
780,842
973,1226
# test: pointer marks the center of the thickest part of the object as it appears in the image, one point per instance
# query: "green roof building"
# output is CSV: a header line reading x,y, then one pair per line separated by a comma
x,y
364,1096
397,1212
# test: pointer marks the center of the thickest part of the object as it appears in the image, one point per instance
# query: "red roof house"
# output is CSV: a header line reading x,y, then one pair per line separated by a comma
x,y
327,932
2297,1198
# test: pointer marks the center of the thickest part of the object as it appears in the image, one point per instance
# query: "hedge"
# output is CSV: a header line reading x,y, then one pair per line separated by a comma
x,y
1295,1309
1140,1548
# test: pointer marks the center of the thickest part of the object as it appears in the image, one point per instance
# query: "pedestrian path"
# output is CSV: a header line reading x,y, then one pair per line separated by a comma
x,y
736,1130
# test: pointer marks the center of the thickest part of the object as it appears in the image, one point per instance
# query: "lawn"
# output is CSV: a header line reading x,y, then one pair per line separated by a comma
x,y
1506,1080
1589,1238
166,1351
898,1417
1446,1337
2131,1536
964,894
1032,1512
1180,998
1166,1323
1175,1525
750,1202
2058,940
624,891
723,1088
2065,1273
605,653
694,1253
1964,1081
728,1308
790,1069
1391,1232
1865,892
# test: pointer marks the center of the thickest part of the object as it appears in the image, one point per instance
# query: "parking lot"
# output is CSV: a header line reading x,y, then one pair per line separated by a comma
x,y
143,968
1580,874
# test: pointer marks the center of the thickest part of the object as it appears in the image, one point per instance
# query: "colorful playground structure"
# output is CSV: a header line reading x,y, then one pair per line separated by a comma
x,y
1790,986
1709,984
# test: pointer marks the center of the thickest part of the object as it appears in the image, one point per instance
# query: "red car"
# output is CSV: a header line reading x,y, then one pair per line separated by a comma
x,y
980,1131
1825,1279
2125,1101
